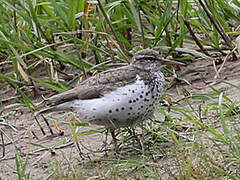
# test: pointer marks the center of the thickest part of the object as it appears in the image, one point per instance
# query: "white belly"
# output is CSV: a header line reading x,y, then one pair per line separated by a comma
x,y
126,106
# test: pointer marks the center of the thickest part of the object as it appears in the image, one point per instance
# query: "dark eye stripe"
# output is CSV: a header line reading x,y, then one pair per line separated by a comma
x,y
151,58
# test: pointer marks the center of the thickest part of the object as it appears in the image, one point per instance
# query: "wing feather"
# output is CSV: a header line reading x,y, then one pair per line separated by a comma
x,y
97,86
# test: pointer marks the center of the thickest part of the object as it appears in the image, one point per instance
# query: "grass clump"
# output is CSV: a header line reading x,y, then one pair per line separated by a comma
x,y
51,46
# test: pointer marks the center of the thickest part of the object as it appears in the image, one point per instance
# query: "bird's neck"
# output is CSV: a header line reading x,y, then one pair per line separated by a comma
x,y
148,68
146,73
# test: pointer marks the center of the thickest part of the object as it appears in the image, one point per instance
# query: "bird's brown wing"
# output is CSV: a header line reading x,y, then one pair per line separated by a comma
x,y
80,92
97,86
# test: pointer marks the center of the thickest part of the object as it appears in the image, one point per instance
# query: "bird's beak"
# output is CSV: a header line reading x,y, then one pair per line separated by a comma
x,y
171,62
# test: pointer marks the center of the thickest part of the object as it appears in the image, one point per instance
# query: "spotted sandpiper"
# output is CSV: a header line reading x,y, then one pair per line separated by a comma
x,y
120,97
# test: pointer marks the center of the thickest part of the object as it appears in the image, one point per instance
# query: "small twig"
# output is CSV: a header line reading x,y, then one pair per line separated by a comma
x,y
80,60
215,68
11,141
211,84
42,130
10,98
38,159
47,149
224,61
34,134
195,38
172,83
46,121
3,145
39,150
8,125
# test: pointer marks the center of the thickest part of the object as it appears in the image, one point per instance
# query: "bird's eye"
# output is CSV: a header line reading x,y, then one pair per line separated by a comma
x,y
151,58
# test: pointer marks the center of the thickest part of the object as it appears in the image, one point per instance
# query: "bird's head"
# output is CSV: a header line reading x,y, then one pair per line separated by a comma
x,y
149,59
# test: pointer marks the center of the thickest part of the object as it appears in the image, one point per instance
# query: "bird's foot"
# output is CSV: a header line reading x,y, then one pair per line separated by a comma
x,y
136,137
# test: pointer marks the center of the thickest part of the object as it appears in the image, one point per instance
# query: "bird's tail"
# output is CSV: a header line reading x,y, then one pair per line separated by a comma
x,y
61,107
45,110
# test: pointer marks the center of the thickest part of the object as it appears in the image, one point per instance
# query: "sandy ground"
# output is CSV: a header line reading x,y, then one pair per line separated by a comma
x,y
26,137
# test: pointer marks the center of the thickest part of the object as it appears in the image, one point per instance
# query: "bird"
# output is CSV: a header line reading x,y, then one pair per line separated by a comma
x,y
119,97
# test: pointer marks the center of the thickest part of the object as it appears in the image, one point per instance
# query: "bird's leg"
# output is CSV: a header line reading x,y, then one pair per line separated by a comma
x,y
46,121
82,155
77,143
79,150
105,142
130,130
137,138
106,136
114,137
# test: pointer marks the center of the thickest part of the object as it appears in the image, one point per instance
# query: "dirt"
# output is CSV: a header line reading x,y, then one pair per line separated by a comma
x,y
26,138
